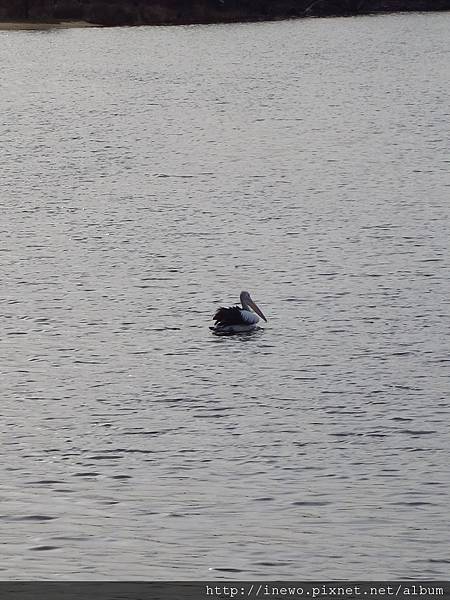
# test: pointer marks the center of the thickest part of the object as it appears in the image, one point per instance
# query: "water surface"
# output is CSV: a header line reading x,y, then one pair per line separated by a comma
x,y
148,176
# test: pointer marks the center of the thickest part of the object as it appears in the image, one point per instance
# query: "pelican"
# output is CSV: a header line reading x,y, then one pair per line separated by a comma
x,y
237,319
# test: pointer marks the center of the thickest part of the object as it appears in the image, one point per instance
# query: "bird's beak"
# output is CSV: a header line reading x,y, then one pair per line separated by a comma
x,y
257,310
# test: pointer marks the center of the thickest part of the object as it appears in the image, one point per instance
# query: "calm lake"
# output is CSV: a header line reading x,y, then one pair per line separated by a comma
x,y
148,175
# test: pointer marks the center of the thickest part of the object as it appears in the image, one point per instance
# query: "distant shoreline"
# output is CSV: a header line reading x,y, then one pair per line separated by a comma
x,y
37,25
109,13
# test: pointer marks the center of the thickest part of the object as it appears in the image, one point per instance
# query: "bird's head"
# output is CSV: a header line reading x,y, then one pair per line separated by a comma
x,y
247,302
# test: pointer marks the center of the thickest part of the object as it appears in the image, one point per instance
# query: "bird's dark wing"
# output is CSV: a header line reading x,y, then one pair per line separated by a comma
x,y
229,316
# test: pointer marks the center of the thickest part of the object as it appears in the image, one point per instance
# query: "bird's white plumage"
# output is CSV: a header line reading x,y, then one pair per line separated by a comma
x,y
249,317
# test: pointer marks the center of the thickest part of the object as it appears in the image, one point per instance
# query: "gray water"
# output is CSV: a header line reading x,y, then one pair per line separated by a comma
x,y
148,175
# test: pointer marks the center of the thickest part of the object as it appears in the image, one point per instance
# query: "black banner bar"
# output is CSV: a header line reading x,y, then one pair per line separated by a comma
x,y
223,590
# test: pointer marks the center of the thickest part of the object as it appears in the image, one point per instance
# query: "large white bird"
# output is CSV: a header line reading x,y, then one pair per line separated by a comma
x,y
238,319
